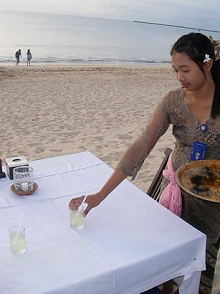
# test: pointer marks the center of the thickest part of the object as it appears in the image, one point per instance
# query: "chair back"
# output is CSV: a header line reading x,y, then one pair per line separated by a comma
x,y
154,188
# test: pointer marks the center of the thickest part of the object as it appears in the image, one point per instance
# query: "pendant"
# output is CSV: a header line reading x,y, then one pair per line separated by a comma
x,y
203,128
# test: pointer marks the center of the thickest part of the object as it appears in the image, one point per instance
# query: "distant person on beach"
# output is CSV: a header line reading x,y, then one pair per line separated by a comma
x,y
193,110
18,56
29,57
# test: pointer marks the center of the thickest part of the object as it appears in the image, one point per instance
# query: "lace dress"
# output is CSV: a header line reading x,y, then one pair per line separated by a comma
x,y
172,109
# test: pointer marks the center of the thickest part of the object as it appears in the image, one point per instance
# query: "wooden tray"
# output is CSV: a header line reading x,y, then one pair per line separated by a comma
x,y
200,178
24,193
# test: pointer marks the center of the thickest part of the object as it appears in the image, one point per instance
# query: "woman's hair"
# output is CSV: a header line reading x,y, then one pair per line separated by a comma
x,y
196,46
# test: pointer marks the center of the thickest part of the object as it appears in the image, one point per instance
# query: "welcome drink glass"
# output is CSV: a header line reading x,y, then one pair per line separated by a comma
x,y
17,239
77,219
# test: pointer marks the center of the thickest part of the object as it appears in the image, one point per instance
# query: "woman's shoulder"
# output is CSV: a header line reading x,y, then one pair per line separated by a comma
x,y
171,101
174,96
176,93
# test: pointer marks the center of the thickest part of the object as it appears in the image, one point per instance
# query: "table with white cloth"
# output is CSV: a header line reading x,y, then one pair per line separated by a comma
x,y
129,244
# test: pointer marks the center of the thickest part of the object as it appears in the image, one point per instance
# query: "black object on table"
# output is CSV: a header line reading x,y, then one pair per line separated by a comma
x,y
2,174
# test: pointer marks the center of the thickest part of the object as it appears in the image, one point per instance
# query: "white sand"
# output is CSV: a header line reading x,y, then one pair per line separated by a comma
x,y
54,110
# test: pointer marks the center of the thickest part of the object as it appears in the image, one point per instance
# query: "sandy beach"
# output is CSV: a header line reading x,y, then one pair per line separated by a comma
x,y
55,110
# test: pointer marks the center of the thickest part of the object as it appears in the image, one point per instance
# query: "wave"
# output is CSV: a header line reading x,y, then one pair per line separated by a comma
x,y
53,59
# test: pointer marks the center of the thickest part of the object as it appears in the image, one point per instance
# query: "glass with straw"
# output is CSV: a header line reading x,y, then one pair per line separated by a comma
x,y
17,238
77,217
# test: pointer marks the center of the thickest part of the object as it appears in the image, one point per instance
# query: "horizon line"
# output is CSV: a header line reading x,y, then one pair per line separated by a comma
x,y
177,26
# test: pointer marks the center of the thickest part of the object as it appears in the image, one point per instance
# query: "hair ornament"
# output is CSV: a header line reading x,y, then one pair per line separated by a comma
x,y
207,58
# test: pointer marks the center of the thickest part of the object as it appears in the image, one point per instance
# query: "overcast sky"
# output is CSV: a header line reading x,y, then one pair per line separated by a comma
x,y
193,13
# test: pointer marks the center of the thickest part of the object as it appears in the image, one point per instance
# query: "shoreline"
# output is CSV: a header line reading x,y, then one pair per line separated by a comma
x,y
55,110
89,63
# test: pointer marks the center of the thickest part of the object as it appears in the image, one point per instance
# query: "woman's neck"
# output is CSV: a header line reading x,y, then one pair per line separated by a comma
x,y
200,101
203,94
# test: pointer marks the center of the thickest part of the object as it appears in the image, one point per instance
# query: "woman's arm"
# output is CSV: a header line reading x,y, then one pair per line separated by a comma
x,y
132,159
95,199
135,155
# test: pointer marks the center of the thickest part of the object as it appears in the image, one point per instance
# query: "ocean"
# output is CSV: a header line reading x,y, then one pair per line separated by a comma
x,y
76,39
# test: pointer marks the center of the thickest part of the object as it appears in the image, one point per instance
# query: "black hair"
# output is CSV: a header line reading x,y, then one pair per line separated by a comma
x,y
196,46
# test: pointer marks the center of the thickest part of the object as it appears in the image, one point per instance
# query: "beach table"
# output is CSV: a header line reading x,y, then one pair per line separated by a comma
x,y
130,243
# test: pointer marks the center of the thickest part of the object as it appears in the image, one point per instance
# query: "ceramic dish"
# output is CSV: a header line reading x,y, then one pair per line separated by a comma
x,y
24,193
200,178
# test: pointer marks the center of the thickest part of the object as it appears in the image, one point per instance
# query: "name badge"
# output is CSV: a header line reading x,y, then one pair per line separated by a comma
x,y
198,151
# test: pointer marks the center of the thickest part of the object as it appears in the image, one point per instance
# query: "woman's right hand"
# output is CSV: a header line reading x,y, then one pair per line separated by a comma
x,y
92,200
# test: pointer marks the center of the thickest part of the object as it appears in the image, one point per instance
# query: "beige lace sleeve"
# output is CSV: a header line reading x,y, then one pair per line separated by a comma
x,y
135,155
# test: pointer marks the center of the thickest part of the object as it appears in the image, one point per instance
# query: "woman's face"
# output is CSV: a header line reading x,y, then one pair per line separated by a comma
x,y
187,72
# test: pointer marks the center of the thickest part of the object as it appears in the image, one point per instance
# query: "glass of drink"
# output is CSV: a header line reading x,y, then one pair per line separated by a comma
x,y
23,178
77,219
17,239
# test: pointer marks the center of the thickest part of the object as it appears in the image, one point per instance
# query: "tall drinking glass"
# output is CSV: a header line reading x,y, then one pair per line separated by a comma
x,y
77,219
17,239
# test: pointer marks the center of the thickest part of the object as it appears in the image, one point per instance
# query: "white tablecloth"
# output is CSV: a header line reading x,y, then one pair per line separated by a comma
x,y
130,243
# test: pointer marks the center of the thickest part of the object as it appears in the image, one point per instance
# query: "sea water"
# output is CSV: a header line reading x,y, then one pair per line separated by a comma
x,y
76,39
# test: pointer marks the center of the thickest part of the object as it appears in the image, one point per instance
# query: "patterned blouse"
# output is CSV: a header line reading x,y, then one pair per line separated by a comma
x,y
172,109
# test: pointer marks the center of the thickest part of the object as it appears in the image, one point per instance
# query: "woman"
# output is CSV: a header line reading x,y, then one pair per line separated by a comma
x,y
29,57
194,112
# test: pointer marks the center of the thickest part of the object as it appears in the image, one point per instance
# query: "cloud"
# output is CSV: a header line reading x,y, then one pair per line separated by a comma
x,y
179,12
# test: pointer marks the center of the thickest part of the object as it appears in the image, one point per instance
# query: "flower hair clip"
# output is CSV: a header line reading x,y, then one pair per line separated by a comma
x,y
207,58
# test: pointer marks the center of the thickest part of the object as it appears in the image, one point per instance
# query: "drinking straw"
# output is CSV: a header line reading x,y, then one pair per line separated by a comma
x,y
83,202
19,227
20,222
81,205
